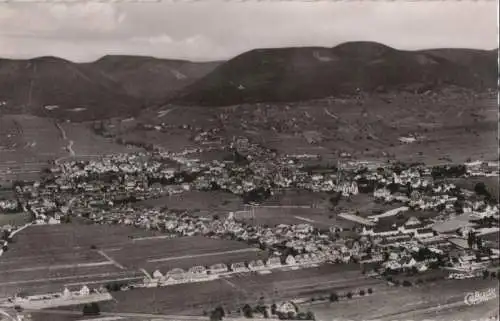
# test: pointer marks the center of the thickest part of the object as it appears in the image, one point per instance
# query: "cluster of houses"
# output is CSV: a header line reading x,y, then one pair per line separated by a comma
x,y
480,168
203,273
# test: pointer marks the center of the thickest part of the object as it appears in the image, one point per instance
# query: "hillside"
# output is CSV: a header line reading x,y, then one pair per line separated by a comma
x,y
110,86
54,86
291,74
152,78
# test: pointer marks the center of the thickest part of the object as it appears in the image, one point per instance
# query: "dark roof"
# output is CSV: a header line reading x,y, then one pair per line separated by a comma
x,y
379,228
425,230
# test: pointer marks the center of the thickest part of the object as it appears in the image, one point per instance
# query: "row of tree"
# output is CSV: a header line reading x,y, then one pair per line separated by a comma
x,y
248,312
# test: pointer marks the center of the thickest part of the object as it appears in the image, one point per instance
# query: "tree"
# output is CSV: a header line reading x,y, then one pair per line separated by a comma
x,y
486,274
274,307
247,311
217,314
479,243
470,239
370,291
333,297
310,315
480,189
362,292
334,200
349,295
407,283
91,309
493,275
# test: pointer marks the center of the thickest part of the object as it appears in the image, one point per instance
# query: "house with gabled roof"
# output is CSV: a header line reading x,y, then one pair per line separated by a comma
x,y
273,262
176,274
198,270
157,274
290,260
256,265
239,267
218,268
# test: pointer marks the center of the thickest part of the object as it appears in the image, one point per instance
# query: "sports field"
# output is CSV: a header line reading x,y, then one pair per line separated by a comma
x,y
272,216
199,202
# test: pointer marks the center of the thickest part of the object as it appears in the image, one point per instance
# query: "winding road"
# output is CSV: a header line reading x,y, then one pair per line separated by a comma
x,y
69,147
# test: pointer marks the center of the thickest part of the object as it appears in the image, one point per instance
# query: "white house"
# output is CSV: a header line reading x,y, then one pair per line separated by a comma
x,y
424,233
290,260
198,270
66,293
382,193
84,291
273,262
218,268
256,265
286,307
239,267
157,274
176,274
348,188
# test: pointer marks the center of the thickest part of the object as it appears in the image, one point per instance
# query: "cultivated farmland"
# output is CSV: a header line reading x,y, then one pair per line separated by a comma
x,y
45,258
192,299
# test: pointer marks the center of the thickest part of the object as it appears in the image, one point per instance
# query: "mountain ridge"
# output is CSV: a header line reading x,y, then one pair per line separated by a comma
x,y
302,73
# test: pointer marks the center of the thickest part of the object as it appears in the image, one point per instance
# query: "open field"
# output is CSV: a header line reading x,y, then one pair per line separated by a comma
x,y
272,216
364,205
45,258
27,143
297,197
438,301
87,143
451,127
192,299
171,141
14,219
200,202
184,252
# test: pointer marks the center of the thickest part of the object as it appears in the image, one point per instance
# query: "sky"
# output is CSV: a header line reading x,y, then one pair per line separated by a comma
x,y
219,30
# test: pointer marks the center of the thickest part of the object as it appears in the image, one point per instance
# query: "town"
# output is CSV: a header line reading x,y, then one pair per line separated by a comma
x,y
394,222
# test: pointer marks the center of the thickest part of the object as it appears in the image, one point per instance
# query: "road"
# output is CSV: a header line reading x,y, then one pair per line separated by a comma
x,y
142,315
204,254
69,147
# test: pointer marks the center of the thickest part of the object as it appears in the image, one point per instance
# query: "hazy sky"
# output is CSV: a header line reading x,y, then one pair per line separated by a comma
x,y
214,29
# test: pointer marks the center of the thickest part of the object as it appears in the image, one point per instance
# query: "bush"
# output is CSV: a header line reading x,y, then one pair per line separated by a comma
x,y
362,292
349,295
407,283
91,309
333,297
370,291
